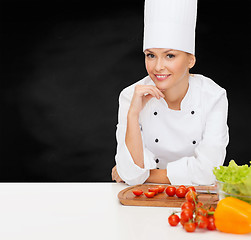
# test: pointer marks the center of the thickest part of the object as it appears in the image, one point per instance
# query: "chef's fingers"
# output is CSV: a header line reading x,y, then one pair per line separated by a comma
x,y
142,90
119,180
115,175
161,93
114,169
157,93
152,91
147,98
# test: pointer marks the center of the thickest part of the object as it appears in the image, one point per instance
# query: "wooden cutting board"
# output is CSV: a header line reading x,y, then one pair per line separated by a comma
x,y
126,197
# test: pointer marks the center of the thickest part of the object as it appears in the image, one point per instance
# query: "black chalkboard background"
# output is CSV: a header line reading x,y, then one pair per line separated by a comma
x,y
64,63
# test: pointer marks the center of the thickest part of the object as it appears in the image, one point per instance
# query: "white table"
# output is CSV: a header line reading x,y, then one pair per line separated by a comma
x,y
85,211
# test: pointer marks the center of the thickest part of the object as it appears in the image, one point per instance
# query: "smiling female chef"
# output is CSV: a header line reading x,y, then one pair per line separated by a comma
x,y
172,126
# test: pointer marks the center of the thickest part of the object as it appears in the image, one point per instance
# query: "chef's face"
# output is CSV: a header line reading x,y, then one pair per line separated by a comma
x,y
168,68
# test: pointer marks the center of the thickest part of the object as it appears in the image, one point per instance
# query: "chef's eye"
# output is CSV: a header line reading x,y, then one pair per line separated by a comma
x,y
170,55
150,55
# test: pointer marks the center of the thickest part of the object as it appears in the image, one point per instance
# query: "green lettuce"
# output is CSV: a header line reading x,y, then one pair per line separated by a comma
x,y
236,179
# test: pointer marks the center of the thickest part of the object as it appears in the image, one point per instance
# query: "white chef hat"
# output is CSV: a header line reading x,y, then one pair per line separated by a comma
x,y
170,24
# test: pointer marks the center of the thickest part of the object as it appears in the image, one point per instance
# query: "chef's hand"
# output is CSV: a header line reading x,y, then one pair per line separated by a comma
x,y
142,94
115,175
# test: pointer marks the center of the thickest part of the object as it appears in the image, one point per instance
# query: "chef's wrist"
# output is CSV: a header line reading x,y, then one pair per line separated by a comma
x,y
133,115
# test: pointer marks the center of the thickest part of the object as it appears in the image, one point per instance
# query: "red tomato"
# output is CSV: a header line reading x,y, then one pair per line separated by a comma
x,y
170,191
191,188
202,221
137,192
187,205
182,186
190,226
201,211
154,189
149,194
181,192
186,214
191,196
199,204
173,220
182,222
161,189
211,209
211,223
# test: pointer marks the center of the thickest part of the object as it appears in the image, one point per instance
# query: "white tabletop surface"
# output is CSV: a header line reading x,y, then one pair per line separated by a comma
x,y
85,211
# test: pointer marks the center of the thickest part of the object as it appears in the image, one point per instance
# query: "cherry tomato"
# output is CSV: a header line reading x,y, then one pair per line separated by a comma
x,y
137,192
161,189
154,189
191,196
181,192
187,205
182,186
202,221
173,220
201,211
211,223
182,222
149,194
199,204
170,191
190,226
211,209
186,214
191,188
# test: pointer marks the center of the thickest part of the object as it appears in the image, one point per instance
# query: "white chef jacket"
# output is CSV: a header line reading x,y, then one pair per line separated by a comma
x,y
189,143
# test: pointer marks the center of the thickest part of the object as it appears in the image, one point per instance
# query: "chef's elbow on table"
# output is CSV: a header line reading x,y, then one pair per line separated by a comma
x,y
188,145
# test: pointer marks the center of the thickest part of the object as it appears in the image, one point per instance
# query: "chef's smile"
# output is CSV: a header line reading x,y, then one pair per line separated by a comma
x,y
162,77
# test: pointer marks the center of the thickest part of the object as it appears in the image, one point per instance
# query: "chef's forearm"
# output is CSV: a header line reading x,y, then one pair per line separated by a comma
x,y
158,176
133,140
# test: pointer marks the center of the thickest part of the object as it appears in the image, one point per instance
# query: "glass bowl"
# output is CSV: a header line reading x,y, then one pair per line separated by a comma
x,y
233,190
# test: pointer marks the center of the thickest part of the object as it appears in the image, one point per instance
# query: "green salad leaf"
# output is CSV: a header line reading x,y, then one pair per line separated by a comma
x,y
236,179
